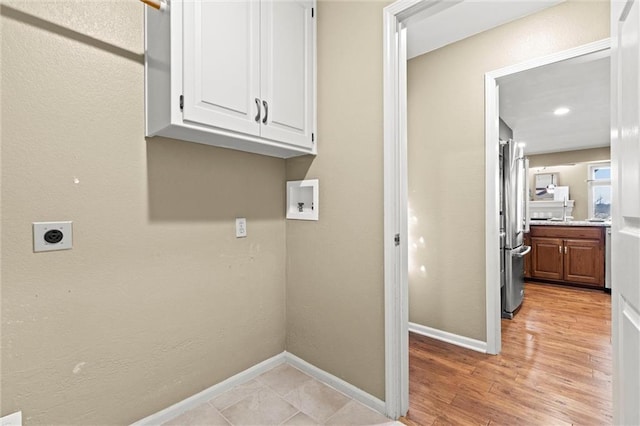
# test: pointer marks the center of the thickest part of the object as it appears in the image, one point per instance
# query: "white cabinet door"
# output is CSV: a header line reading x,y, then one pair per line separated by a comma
x,y
222,64
287,83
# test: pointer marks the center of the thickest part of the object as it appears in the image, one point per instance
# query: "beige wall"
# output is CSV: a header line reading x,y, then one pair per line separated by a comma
x,y
569,157
446,157
572,168
335,306
157,300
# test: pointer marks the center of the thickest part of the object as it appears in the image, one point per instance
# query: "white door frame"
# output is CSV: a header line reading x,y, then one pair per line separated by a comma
x,y
396,198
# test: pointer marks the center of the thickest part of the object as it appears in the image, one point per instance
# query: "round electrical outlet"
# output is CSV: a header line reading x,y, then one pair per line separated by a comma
x,y
53,236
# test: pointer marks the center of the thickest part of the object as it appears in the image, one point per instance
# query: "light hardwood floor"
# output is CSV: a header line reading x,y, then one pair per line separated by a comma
x,y
554,369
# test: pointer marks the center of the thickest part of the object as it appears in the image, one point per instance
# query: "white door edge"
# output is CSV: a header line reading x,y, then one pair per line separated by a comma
x,y
625,210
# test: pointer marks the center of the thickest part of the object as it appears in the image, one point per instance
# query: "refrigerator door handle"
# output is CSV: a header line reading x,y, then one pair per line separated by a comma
x,y
527,190
524,252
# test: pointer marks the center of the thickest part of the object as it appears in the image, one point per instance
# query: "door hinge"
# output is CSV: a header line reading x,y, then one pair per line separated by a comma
x,y
181,102
396,239
313,137
312,11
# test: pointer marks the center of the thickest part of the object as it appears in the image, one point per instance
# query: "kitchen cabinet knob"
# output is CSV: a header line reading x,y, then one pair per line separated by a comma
x,y
258,114
266,112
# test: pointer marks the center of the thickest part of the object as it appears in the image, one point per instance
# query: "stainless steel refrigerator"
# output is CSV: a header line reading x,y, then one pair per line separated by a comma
x,y
514,222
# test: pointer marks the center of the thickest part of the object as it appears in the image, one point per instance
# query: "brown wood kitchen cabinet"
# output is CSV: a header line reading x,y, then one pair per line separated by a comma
x,y
568,254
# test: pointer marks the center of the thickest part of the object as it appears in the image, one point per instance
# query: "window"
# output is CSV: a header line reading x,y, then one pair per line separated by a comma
x,y
599,190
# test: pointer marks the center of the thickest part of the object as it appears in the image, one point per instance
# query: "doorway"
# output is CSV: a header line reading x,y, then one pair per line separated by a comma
x,y
396,233
509,76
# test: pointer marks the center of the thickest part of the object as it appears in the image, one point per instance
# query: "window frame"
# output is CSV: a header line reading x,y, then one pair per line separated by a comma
x,y
592,183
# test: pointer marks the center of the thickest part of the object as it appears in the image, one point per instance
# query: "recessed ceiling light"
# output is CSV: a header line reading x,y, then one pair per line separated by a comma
x,y
561,111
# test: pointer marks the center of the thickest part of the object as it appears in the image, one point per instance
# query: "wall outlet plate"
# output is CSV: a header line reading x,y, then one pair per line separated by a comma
x,y
241,227
49,236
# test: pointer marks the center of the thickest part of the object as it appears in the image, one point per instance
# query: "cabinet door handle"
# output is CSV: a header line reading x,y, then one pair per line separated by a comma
x,y
258,114
560,249
565,249
266,112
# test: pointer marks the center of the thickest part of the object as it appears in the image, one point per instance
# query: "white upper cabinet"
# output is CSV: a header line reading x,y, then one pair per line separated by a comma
x,y
238,74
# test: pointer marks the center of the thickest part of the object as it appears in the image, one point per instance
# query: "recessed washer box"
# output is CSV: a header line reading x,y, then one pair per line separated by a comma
x,y
50,236
14,419
302,199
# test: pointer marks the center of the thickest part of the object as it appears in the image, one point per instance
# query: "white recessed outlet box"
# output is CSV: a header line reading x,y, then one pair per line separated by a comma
x,y
14,419
241,227
302,199
49,236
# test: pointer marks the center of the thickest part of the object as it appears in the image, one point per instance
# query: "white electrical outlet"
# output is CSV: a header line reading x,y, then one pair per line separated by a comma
x,y
49,236
241,227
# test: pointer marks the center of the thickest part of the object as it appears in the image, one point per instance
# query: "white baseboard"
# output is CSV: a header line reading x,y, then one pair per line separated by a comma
x,y
445,336
337,383
200,398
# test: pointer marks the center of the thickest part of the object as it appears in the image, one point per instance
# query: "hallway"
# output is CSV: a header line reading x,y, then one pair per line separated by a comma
x,y
555,367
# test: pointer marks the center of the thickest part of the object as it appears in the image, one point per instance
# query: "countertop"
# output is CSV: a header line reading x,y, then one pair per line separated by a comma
x,y
569,223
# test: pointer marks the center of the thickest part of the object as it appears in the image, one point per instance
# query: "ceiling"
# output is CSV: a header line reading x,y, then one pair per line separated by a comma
x,y
438,24
529,98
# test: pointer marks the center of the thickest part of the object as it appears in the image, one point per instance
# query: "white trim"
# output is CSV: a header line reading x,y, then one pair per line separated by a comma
x,y
336,383
200,398
492,226
585,49
403,219
445,336
194,401
492,217
395,212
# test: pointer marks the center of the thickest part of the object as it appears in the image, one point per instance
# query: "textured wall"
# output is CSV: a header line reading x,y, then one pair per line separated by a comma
x,y
446,152
335,303
573,169
158,299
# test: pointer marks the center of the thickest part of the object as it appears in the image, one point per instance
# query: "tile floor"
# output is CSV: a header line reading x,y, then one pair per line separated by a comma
x,y
283,395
